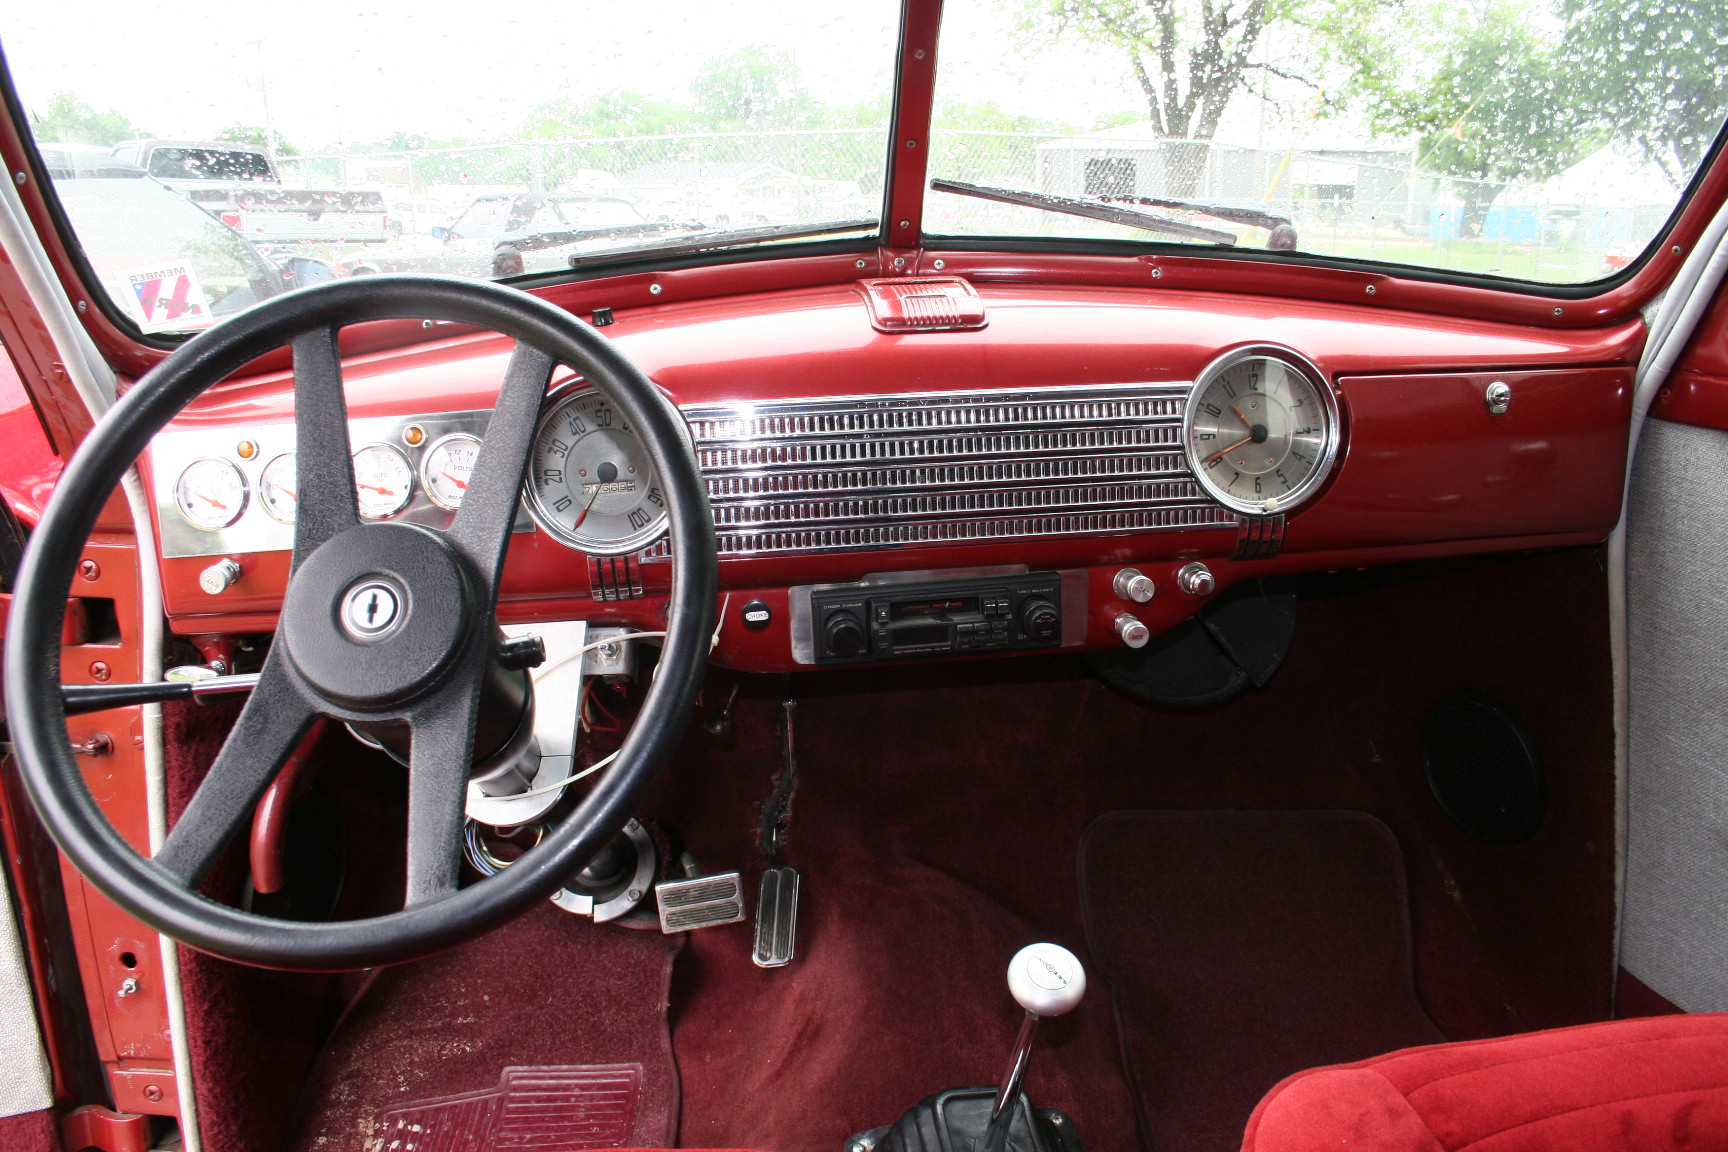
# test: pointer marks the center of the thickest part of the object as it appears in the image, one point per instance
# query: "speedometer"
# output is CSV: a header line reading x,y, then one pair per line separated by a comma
x,y
591,484
1261,430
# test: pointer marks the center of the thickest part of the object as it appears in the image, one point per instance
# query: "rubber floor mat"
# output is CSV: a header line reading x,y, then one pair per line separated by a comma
x,y
530,1110
549,1018
1241,947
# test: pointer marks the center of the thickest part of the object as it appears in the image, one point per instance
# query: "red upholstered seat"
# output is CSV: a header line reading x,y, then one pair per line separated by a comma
x,y
1624,1086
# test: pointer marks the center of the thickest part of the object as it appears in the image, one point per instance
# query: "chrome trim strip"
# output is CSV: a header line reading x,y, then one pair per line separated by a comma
x,y
825,474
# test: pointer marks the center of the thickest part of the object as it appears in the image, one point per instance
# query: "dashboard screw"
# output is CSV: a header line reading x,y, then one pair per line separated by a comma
x,y
860,263
918,55
83,306
89,569
939,265
1678,249
1559,311
654,289
152,1093
18,178
1371,289
1157,273
100,672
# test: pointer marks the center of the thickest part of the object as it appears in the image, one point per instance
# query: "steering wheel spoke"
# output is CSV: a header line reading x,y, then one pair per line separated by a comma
x,y
324,462
482,526
438,762
271,724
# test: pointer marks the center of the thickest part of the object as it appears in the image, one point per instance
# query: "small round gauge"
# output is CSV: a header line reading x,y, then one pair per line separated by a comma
x,y
279,488
211,493
446,466
1261,430
590,482
383,480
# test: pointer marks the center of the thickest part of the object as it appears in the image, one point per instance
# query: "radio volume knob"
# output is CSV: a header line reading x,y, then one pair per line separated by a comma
x,y
844,634
1040,620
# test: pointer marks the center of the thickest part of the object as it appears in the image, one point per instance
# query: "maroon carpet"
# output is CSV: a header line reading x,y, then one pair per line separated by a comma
x,y
1242,947
547,990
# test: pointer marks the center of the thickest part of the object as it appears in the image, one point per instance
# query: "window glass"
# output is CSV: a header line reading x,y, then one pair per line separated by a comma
x,y
350,136
1542,140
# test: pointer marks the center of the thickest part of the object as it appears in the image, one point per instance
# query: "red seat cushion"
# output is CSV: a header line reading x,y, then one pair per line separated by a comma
x,y
1624,1086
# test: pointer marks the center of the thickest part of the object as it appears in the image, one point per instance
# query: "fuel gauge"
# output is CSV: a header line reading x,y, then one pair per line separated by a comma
x,y
279,488
446,467
211,494
383,481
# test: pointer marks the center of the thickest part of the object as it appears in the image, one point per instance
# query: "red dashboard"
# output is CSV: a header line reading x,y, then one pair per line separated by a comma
x,y
1423,468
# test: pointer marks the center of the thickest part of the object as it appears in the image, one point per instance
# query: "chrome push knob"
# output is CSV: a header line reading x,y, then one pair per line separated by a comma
x,y
1133,584
1196,579
1133,632
219,577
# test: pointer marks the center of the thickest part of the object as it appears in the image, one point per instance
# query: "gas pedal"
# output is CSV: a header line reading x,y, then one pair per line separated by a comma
x,y
776,918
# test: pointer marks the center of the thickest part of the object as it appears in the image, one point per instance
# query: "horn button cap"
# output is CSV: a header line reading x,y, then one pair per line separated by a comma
x,y
376,614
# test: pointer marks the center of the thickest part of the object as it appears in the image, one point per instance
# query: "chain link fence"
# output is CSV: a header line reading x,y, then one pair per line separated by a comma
x,y
1363,204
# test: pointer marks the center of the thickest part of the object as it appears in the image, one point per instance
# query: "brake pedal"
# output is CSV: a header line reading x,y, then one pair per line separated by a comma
x,y
776,918
699,901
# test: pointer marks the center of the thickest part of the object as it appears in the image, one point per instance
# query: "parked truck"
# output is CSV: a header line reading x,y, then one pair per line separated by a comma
x,y
240,185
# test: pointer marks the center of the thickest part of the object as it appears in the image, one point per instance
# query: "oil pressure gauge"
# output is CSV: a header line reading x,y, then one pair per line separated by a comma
x,y
211,493
383,481
446,467
1261,430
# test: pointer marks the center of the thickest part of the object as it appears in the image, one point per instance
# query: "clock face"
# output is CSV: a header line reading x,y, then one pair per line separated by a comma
x,y
1261,430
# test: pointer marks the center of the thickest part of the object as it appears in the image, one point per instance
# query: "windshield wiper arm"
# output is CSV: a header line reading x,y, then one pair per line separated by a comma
x,y
557,237
716,238
1091,209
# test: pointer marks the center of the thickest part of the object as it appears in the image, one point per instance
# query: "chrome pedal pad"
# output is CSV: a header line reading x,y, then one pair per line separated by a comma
x,y
700,902
776,918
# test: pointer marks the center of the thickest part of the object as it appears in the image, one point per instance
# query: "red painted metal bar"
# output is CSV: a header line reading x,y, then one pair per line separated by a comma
x,y
909,150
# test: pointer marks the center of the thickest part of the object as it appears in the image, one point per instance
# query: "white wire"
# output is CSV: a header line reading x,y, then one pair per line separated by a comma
x,y
546,669
566,782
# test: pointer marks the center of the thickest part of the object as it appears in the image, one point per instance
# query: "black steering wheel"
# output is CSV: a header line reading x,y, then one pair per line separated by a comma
x,y
335,654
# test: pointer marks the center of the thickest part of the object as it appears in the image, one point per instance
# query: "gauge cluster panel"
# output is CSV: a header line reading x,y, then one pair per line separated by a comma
x,y
235,489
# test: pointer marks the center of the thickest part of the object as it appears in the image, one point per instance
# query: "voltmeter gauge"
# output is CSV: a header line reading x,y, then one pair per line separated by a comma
x,y
590,482
211,493
279,489
1261,430
383,481
446,467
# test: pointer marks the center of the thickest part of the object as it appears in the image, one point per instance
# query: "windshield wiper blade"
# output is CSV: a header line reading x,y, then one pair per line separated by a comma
x,y
1091,209
1236,213
717,238
557,237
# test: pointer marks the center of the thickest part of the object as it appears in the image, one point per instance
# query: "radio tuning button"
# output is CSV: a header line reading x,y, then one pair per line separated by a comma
x,y
1196,579
1133,633
1133,584
1040,620
844,634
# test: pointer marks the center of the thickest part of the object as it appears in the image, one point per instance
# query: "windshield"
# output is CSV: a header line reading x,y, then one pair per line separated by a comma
x,y
481,142
1540,140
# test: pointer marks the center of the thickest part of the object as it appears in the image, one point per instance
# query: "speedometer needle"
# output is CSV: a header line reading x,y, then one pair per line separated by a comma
x,y
1231,448
605,474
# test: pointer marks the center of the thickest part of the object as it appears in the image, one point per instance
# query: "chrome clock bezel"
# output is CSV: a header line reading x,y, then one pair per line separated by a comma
x,y
1329,444
555,403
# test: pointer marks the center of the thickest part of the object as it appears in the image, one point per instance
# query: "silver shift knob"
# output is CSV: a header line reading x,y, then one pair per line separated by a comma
x,y
1046,979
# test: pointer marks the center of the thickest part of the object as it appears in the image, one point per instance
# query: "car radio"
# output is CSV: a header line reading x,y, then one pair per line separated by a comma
x,y
982,614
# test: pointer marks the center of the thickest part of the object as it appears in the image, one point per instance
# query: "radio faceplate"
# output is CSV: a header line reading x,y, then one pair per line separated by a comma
x,y
859,623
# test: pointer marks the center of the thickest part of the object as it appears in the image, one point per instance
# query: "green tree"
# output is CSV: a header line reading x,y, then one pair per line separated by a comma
x,y
1658,73
1190,57
616,113
69,120
1496,105
252,134
754,87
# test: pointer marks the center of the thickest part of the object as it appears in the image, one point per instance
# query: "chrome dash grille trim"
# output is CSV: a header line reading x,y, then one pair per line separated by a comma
x,y
865,472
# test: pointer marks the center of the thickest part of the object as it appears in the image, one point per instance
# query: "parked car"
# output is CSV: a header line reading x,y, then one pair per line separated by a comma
x,y
1083,653
239,184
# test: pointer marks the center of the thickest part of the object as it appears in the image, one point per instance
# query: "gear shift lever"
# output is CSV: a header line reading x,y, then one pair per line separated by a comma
x,y
1046,980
